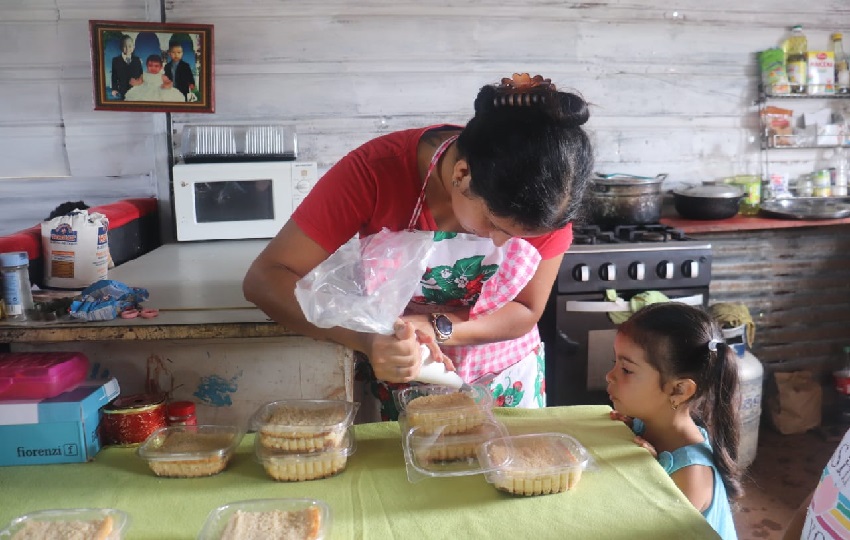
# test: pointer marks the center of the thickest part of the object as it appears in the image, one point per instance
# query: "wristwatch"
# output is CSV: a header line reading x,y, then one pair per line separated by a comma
x,y
442,326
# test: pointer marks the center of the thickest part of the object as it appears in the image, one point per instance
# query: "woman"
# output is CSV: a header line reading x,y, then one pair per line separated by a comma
x,y
505,188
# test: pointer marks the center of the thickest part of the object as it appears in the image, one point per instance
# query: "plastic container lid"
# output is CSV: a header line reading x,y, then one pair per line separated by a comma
x,y
120,521
191,443
316,511
40,375
433,454
287,466
294,417
480,394
14,258
532,459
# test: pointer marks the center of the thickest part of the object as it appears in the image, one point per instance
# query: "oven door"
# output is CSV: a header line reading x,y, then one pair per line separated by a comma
x,y
580,350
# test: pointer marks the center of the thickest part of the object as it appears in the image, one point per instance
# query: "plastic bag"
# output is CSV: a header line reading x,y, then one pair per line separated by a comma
x,y
104,300
366,284
75,249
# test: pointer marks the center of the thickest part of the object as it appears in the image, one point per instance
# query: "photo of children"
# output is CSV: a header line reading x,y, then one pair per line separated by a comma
x,y
154,67
156,86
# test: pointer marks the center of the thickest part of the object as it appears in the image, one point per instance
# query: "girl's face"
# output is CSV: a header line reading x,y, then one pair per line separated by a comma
x,y
154,67
634,386
476,218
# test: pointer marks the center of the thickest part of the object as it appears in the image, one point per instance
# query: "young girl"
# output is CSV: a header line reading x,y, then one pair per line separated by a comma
x,y
675,382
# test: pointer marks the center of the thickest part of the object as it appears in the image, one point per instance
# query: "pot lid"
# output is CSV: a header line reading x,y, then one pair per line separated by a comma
x,y
622,179
718,191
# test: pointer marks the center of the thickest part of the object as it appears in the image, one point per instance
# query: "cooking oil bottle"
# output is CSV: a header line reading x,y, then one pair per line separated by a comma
x,y
796,47
842,69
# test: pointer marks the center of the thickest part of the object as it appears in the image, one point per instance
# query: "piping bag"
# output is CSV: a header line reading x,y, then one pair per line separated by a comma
x,y
366,284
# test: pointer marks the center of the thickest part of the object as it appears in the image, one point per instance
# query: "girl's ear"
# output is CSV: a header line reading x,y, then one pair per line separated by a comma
x,y
682,389
461,169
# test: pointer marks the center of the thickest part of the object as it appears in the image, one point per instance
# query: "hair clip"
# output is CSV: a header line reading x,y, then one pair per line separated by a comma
x,y
525,82
522,90
712,344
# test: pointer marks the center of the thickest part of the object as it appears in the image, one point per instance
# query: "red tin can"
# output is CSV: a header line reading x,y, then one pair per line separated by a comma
x,y
129,420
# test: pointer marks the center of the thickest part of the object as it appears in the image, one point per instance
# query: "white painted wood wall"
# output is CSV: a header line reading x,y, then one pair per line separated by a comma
x,y
672,86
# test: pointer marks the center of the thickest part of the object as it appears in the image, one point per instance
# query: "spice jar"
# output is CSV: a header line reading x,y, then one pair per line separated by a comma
x,y
181,413
17,291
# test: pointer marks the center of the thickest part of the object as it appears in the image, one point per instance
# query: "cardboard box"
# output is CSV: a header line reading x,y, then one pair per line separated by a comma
x,y
61,429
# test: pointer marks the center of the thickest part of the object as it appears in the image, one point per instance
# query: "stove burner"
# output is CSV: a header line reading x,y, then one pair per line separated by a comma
x,y
624,234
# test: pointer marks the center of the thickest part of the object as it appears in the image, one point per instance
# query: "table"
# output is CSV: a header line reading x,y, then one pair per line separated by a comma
x,y
625,493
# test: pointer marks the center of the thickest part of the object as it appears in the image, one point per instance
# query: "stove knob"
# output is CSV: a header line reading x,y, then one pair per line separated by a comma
x,y
637,271
690,269
665,270
608,272
581,272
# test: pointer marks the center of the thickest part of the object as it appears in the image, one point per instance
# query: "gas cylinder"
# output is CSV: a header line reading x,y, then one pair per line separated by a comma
x,y
750,377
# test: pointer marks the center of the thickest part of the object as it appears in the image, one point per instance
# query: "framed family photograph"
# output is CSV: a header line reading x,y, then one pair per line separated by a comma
x,y
156,67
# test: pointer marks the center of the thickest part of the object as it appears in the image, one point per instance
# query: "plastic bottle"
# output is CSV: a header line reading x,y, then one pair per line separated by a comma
x,y
17,291
842,65
842,173
796,47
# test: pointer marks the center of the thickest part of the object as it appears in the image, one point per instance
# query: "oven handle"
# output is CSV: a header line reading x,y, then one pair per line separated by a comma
x,y
583,306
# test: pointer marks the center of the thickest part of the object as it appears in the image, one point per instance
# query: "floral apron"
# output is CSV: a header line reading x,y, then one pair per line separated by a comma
x,y
457,276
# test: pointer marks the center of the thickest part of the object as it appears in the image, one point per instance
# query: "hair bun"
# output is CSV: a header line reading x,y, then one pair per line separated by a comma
x,y
522,90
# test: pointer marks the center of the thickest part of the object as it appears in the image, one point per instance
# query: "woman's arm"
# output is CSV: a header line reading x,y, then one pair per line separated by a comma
x,y
512,321
270,285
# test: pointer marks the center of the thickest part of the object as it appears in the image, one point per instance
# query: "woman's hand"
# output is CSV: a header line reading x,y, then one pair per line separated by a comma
x,y
396,358
426,336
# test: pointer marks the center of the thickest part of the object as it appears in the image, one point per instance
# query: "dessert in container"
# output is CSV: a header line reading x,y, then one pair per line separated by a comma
x,y
305,519
190,451
287,466
436,454
303,425
436,408
535,464
90,523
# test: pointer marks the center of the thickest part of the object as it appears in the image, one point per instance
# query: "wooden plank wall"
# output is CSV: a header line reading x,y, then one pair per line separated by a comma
x,y
672,87
796,284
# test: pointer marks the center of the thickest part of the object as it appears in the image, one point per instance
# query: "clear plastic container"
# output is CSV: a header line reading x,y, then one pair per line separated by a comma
x,y
114,521
216,143
303,425
437,455
315,515
190,451
40,375
536,464
286,466
436,408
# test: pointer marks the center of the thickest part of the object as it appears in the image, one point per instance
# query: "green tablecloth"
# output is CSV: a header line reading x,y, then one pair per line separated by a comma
x,y
625,495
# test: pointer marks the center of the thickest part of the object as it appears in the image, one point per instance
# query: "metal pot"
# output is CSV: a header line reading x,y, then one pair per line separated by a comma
x,y
720,201
623,199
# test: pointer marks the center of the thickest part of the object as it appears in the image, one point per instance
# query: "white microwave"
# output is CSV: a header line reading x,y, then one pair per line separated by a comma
x,y
236,200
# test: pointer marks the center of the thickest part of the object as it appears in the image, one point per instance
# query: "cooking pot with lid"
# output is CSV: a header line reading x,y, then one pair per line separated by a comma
x,y
720,201
624,199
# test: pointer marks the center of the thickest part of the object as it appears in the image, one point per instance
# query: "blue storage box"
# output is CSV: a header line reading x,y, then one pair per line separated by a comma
x,y
61,429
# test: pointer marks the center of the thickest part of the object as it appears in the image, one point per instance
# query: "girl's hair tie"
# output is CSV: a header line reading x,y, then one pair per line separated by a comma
x,y
713,343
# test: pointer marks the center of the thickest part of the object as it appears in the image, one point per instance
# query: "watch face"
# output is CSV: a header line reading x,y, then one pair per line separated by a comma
x,y
444,325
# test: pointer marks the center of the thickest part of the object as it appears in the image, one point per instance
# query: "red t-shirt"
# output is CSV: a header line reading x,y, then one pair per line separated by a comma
x,y
376,186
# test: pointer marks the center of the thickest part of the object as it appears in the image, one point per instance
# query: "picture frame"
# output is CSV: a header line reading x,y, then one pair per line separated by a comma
x,y
128,77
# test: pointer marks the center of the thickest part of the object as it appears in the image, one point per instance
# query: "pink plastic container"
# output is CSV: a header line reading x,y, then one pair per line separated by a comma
x,y
40,375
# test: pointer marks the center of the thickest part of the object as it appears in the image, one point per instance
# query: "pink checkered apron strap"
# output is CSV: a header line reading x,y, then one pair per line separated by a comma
x,y
417,210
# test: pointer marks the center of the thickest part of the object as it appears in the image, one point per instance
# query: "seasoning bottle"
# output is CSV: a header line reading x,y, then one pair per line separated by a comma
x,y
842,67
17,291
796,47
181,413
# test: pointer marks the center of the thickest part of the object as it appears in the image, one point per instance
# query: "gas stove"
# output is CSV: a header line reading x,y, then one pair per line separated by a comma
x,y
577,328
633,257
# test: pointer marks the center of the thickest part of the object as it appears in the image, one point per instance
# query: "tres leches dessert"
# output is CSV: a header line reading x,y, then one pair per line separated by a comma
x,y
65,530
303,524
456,412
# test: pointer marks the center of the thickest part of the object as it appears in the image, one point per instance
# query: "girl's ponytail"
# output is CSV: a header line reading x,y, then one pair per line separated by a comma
x,y
720,414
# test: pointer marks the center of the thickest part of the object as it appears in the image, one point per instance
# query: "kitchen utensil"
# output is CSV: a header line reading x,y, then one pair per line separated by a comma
x,y
708,202
623,199
807,208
